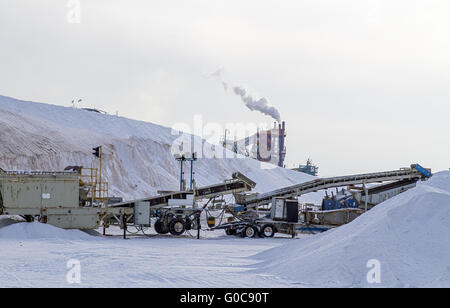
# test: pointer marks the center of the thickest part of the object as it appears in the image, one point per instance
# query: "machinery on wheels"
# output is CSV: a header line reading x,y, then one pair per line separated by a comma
x,y
249,229
176,220
176,212
282,218
75,200
69,200
285,216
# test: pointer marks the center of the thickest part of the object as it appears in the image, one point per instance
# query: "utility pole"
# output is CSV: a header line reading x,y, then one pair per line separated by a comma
x,y
225,139
98,153
365,197
182,158
192,159
182,174
100,176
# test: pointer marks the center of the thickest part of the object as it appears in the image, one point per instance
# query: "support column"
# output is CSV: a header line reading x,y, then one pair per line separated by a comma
x,y
198,226
192,174
124,226
365,197
181,175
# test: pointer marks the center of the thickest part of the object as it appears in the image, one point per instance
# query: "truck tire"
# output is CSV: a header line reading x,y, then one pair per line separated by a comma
x,y
250,232
176,227
160,228
267,230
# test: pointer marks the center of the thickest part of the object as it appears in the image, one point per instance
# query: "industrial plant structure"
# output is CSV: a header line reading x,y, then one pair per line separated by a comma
x,y
265,146
78,199
309,168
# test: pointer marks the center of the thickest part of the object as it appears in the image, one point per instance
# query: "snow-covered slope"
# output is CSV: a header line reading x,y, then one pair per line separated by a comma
x,y
137,155
409,235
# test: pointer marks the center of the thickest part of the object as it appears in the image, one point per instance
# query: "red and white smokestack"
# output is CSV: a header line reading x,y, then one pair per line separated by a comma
x,y
282,136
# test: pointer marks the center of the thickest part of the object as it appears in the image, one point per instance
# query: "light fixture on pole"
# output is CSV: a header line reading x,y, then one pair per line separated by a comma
x,y
181,158
191,157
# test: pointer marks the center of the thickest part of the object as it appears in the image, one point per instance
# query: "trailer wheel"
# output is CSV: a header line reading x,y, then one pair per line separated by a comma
x,y
160,228
176,227
267,231
250,232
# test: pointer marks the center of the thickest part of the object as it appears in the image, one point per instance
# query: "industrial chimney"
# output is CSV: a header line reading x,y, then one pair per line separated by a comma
x,y
281,146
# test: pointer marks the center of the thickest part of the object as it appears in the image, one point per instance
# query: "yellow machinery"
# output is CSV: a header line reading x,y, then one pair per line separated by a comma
x,y
92,191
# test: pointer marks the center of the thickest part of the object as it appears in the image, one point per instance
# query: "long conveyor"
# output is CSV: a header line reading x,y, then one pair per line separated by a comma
x,y
238,184
415,172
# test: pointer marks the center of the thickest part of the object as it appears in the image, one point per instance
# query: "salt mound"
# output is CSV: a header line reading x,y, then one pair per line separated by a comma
x,y
139,160
409,235
36,230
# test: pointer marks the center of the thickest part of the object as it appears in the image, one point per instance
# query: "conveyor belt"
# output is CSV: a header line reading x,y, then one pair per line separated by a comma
x,y
386,187
238,184
326,183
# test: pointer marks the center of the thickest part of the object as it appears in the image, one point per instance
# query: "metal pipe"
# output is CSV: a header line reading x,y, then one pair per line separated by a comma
x,y
192,174
100,181
124,226
181,175
365,193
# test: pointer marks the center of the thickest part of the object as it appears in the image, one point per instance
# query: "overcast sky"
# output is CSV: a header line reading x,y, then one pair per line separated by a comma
x,y
362,85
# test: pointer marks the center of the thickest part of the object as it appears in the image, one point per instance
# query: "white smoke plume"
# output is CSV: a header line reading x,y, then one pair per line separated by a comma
x,y
261,105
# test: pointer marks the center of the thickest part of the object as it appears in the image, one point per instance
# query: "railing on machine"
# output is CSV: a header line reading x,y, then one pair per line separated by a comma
x,y
98,191
26,172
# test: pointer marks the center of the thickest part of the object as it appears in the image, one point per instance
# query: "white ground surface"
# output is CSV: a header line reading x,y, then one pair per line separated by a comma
x,y
36,255
409,235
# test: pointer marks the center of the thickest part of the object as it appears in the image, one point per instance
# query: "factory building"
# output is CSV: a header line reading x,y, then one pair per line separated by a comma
x,y
266,145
